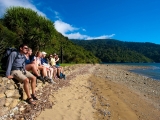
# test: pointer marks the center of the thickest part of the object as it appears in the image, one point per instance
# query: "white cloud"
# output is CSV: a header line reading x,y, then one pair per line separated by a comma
x,y
63,27
4,4
69,31
101,37
76,36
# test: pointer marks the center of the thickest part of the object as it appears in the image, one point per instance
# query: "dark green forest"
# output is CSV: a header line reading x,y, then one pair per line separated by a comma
x,y
22,25
110,50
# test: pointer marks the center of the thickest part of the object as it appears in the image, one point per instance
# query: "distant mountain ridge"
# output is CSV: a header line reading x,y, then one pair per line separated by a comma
x,y
111,50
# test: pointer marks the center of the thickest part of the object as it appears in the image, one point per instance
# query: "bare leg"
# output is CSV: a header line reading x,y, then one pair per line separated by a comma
x,y
54,72
61,69
26,87
33,68
43,69
51,72
33,84
58,71
27,90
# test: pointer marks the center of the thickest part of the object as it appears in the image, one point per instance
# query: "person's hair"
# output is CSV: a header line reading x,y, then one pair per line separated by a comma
x,y
38,52
29,49
22,45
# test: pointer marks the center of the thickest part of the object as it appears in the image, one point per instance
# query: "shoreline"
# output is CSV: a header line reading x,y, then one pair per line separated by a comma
x,y
107,92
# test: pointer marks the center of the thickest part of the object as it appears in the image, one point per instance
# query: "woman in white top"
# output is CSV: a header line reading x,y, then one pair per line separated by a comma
x,y
42,68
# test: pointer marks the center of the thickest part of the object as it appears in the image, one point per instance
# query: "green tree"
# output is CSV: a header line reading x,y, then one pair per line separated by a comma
x,y
31,28
7,38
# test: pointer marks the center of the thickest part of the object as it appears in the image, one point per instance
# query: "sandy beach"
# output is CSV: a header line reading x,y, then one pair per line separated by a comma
x,y
109,92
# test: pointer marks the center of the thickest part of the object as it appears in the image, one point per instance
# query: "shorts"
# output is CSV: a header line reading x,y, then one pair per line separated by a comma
x,y
57,66
18,75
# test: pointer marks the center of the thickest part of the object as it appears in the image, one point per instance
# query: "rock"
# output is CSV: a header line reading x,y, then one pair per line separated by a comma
x,y
10,87
2,95
12,82
14,103
5,79
1,80
24,96
9,93
3,110
9,81
8,102
39,85
2,89
16,95
2,101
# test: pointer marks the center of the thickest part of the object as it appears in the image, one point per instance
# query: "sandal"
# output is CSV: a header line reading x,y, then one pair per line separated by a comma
x,y
34,97
30,101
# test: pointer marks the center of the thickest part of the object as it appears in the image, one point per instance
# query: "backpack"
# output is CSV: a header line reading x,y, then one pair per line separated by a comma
x,y
5,56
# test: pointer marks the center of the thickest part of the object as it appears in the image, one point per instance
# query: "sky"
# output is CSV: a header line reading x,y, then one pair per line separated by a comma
x,y
124,20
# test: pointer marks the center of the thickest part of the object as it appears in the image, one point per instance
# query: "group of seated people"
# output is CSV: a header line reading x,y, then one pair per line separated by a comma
x,y
26,68
45,69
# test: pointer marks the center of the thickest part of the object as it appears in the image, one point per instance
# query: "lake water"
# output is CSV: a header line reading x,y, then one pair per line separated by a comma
x,y
153,71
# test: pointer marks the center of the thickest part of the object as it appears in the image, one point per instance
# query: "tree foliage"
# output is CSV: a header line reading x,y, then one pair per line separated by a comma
x,y
7,38
109,50
35,30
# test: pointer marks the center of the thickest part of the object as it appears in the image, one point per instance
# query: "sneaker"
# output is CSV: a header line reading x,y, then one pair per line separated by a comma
x,y
52,82
41,79
47,78
64,76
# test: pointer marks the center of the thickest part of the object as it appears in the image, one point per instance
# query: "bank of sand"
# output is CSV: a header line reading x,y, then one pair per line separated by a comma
x,y
109,92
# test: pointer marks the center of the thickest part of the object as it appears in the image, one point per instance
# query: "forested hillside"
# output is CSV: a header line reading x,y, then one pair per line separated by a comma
x,y
22,25
110,50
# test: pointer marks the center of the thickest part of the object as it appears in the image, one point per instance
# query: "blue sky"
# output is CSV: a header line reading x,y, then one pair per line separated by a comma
x,y
125,20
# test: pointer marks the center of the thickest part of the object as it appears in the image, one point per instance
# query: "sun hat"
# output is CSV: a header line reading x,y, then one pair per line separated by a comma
x,y
44,53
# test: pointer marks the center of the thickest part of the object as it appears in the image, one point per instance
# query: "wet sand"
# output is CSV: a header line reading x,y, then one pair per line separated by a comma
x,y
108,92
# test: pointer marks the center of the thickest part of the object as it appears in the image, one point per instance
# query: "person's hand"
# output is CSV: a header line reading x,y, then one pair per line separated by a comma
x,y
10,77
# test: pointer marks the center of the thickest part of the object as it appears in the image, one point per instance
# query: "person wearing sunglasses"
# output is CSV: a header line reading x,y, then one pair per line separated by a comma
x,y
16,69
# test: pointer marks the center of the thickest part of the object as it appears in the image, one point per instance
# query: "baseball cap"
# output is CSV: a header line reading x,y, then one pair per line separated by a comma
x,y
44,53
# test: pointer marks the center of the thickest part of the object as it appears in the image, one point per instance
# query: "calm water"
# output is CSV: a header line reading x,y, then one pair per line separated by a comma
x,y
153,71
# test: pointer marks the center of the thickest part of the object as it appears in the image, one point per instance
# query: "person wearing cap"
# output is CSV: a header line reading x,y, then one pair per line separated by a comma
x,y
50,70
44,60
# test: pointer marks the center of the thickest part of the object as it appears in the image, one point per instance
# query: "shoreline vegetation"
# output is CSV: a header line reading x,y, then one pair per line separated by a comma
x,y
105,92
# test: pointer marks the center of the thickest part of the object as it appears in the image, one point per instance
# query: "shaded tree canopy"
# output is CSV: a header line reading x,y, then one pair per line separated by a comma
x,y
7,37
